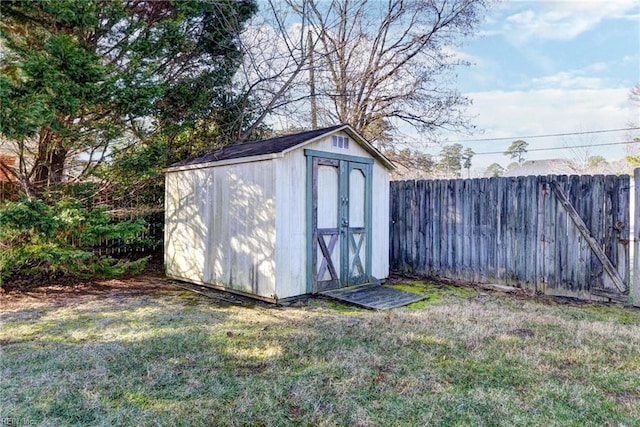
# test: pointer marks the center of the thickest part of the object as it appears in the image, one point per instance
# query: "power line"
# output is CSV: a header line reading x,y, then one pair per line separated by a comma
x,y
513,138
565,148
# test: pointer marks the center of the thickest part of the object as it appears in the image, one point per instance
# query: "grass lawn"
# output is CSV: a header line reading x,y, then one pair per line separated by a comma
x,y
169,357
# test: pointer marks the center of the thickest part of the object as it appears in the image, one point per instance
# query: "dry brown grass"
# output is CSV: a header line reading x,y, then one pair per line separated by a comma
x,y
167,357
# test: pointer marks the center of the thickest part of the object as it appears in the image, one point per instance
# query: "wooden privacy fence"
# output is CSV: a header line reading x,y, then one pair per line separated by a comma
x,y
126,209
8,191
554,234
149,240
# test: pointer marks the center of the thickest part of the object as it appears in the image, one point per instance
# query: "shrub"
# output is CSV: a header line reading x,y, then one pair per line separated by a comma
x,y
58,238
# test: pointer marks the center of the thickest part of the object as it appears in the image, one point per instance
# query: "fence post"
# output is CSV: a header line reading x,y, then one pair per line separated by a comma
x,y
635,288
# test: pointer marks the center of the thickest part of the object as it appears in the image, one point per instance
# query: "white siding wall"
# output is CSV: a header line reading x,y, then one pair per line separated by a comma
x,y
325,144
220,226
380,218
291,238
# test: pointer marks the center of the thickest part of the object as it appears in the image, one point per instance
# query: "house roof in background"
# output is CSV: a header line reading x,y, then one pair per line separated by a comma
x,y
4,145
542,167
278,145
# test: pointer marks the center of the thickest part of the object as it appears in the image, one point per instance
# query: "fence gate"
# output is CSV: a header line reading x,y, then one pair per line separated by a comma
x,y
557,235
612,284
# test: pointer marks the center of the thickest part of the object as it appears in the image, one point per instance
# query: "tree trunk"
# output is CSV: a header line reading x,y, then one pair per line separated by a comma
x,y
48,170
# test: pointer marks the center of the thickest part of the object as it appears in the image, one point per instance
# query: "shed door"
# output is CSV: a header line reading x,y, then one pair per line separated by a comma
x,y
341,216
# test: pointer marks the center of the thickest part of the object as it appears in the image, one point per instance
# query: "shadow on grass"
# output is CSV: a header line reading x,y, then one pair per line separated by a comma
x,y
179,359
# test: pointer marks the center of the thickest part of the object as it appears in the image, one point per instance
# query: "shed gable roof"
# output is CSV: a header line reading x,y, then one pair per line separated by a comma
x,y
279,144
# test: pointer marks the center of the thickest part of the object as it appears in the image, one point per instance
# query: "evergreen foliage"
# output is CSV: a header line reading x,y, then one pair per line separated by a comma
x,y
90,77
494,170
57,238
453,158
517,150
108,91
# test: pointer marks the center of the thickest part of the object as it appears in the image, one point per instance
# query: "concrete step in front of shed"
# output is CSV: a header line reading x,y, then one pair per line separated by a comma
x,y
374,296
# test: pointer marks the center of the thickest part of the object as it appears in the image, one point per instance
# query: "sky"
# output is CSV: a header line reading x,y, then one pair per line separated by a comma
x,y
549,67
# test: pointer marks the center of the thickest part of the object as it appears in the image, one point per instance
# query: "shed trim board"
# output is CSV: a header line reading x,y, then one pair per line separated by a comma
x,y
226,162
226,289
337,156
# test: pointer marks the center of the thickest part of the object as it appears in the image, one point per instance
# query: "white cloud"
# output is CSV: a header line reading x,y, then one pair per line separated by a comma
x,y
583,78
568,80
547,111
596,67
563,20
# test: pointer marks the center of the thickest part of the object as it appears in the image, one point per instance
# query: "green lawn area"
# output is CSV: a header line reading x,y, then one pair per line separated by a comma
x,y
171,358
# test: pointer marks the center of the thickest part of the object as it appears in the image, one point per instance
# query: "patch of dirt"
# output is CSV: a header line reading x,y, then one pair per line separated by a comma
x,y
627,399
521,333
64,290
221,297
35,292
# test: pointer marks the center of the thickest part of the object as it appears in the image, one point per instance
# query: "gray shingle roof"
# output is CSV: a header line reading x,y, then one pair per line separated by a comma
x,y
257,148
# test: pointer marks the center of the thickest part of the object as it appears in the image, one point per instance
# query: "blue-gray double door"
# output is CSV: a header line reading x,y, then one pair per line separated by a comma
x,y
341,215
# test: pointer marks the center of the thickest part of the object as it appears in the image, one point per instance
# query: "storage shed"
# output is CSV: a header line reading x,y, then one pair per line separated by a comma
x,y
281,217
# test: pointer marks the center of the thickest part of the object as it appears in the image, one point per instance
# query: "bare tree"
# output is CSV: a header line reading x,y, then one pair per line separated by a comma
x,y
581,148
376,64
632,150
276,49
634,94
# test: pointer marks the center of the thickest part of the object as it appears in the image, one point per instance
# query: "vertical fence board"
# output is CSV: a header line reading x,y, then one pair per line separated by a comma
x,y
484,248
562,241
582,204
420,218
399,226
510,240
573,238
500,216
550,238
541,188
474,229
411,229
448,225
622,226
464,220
635,292
610,248
597,227
520,231
493,215
394,234
428,239
458,245
531,248
436,234
402,226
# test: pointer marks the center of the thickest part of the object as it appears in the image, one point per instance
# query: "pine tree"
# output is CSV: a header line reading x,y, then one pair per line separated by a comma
x,y
78,77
